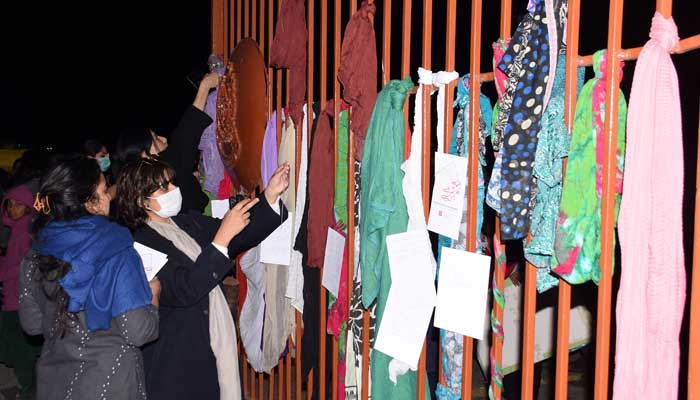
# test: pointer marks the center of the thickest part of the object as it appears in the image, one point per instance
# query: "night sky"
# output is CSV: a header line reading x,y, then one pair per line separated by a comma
x,y
73,70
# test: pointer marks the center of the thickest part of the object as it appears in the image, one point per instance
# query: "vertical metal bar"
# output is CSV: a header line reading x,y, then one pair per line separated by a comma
x,y
365,355
246,18
310,385
288,371
246,367
252,385
254,20
694,345
261,382
506,17
334,374
239,21
218,27
353,7
280,381
228,21
324,53
406,40
425,158
665,7
271,387
474,115
527,363
297,358
270,70
449,66
261,32
231,34
602,361
386,43
406,62
564,303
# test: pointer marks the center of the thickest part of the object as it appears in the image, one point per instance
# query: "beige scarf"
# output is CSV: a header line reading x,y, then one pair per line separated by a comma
x,y
222,329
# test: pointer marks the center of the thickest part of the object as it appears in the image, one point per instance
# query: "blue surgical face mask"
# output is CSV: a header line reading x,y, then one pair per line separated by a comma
x,y
104,163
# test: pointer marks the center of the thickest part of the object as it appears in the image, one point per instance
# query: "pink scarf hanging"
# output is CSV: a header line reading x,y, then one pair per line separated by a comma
x,y
652,288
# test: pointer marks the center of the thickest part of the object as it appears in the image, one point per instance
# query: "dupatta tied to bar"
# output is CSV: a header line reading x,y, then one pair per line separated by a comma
x,y
651,299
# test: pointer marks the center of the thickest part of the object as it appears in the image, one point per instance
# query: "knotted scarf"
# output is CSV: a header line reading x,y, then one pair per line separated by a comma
x,y
652,286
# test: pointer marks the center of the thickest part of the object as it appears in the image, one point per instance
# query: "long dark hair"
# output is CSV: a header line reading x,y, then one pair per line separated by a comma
x,y
63,191
136,182
131,143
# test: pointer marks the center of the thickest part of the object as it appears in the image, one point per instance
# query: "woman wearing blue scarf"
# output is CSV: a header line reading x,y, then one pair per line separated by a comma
x,y
84,289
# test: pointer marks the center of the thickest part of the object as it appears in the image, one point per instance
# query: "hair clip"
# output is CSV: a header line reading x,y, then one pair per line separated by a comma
x,y
42,205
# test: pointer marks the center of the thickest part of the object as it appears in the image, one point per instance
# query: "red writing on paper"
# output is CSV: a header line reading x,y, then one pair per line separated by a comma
x,y
449,191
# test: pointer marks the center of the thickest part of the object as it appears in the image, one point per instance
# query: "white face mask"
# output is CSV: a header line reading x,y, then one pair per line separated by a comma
x,y
170,203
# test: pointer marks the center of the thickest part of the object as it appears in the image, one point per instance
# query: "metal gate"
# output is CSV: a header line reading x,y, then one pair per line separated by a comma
x,y
233,20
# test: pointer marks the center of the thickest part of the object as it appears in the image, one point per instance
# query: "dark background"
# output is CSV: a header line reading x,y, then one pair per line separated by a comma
x,y
73,70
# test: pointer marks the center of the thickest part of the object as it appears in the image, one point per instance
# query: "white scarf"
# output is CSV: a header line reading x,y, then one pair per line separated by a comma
x,y
222,329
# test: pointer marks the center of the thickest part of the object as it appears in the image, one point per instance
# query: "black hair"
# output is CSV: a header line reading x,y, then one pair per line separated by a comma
x,y
30,165
92,146
131,143
64,190
136,182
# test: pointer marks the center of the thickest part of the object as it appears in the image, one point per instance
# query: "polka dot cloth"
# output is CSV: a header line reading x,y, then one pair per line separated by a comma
x,y
530,44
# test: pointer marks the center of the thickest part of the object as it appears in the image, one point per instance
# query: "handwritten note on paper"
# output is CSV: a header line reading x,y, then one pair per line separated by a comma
x,y
219,208
411,297
462,292
153,260
448,195
333,261
277,248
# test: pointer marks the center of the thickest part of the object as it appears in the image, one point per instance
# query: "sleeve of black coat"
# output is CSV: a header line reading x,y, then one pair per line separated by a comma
x,y
30,313
185,285
263,221
138,326
183,143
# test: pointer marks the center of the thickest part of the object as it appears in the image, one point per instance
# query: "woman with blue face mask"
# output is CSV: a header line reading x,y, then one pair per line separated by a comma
x,y
195,356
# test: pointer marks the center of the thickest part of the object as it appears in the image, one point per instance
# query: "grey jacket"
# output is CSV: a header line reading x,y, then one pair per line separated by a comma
x,y
81,365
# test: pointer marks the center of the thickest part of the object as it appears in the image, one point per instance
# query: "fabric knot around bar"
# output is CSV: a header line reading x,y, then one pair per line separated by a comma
x,y
664,32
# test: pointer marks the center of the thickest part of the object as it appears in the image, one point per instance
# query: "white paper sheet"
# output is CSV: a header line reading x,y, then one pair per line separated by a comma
x,y
333,261
462,292
277,248
219,208
153,260
448,195
411,297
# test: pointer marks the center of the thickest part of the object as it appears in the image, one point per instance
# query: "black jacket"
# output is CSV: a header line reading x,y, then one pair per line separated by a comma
x,y
182,154
181,364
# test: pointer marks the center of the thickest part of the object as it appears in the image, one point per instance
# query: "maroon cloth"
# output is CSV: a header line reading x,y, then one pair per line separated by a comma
x,y
289,51
358,72
321,187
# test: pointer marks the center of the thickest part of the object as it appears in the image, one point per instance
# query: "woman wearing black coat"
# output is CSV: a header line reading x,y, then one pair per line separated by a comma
x,y
195,356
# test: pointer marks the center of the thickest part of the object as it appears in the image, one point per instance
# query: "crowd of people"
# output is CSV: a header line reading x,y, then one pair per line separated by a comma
x,y
79,318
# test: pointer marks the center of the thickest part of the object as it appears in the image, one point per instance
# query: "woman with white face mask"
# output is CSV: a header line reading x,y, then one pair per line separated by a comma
x,y
195,356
